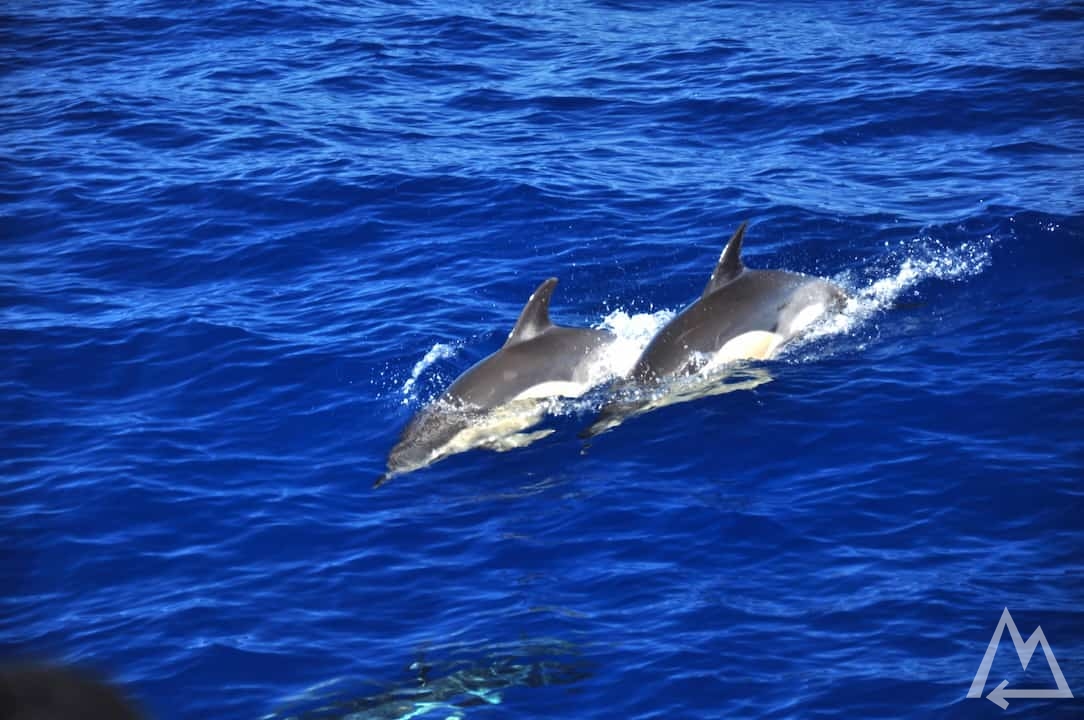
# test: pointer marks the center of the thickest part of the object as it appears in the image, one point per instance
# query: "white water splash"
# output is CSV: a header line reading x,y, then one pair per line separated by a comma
x,y
923,259
439,351
633,333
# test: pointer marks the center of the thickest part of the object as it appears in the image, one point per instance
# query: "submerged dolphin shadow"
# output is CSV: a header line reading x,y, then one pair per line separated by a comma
x,y
444,689
631,400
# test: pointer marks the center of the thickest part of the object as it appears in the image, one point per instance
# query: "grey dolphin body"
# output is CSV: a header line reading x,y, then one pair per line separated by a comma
x,y
445,695
742,314
494,399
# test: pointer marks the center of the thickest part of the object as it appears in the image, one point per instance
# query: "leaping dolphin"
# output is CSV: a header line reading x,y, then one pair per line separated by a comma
x,y
490,404
743,314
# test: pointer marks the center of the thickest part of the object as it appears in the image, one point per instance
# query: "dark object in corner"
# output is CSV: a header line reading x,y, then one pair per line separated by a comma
x,y
42,692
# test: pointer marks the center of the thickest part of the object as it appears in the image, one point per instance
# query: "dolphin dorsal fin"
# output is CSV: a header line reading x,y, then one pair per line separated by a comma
x,y
730,265
535,318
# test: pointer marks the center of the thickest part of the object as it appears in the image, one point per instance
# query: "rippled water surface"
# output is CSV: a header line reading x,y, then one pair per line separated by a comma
x,y
244,242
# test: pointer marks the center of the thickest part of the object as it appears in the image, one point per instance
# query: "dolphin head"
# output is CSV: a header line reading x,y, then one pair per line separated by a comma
x,y
627,397
426,438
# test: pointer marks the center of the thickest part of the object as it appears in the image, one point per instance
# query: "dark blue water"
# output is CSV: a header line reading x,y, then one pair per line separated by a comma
x,y
242,242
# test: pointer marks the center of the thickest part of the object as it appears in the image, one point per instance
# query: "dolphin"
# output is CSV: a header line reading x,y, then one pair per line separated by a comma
x,y
444,697
492,402
743,314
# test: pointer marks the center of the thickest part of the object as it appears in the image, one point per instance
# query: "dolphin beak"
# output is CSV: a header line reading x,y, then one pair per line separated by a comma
x,y
589,432
610,416
381,480
598,427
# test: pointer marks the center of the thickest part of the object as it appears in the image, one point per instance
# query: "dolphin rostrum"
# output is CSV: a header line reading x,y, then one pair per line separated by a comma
x,y
743,314
490,404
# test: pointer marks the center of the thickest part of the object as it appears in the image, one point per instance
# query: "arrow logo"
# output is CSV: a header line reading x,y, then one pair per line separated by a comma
x,y
1024,651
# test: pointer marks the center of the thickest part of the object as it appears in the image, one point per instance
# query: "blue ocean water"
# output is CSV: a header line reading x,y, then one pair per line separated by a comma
x,y
244,241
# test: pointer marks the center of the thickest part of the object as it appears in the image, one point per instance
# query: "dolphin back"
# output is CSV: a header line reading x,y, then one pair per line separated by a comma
x,y
559,355
758,302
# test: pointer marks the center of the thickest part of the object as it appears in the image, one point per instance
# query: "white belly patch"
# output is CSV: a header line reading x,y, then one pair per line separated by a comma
x,y
754,345
554,388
